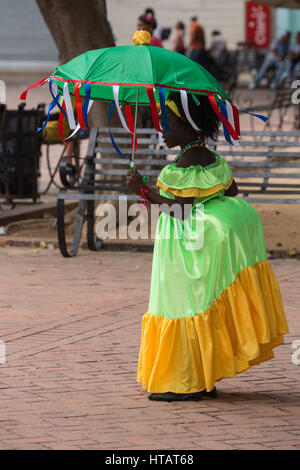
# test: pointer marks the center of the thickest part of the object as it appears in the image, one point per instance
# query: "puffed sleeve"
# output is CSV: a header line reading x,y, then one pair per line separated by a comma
x,y
196,180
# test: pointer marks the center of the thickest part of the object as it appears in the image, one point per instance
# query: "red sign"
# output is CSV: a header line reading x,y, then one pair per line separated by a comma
x,y
258,24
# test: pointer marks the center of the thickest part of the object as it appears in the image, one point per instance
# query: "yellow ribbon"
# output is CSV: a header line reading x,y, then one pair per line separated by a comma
x,y
173,106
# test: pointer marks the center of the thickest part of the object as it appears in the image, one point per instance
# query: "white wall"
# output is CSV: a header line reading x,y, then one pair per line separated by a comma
x,y
227,16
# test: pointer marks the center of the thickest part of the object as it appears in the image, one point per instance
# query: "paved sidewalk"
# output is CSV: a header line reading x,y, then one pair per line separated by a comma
x,y
72,333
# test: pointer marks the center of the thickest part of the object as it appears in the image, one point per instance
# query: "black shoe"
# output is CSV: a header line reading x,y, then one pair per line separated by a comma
x,y
170,396
213,393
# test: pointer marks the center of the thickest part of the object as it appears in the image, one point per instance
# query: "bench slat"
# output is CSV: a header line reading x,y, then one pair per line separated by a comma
x,y
159,162
256,153
125,161
127,151
262,175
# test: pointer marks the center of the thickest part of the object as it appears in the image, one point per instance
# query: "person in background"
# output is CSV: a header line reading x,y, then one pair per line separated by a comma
x,y
197,42
275,58
158,30
148,23
217,48
161,32
216,54
293,62
177,39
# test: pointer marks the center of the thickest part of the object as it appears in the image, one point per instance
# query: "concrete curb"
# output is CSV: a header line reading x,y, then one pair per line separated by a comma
x,y
113,245
32,211
119,245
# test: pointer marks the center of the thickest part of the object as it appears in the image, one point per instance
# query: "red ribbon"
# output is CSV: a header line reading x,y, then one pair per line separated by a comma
x,y
225,121
130,122
39,83
61,124
153,107
236,117
93,82
79,107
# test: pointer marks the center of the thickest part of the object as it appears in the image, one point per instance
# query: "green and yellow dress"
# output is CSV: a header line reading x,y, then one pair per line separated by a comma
x,y
215,307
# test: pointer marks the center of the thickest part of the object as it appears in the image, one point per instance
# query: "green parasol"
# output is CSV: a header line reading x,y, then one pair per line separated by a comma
x,y
133,67
138,74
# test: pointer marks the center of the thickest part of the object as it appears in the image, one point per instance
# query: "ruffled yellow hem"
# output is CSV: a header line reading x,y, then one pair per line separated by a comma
x,y
239,330
193,192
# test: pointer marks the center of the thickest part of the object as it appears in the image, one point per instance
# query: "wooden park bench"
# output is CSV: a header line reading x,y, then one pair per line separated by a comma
x,y
279,107
266,167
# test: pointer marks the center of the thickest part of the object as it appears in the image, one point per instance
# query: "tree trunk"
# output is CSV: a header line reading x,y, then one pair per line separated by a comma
x,y
78,26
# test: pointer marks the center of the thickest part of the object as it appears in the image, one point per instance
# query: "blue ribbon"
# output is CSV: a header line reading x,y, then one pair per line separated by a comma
x,y
224,112
87,89
51,106
259,116
112,105
55,98
164,116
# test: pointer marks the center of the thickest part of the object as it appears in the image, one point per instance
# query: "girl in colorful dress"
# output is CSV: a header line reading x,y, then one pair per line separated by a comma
x,y
215,307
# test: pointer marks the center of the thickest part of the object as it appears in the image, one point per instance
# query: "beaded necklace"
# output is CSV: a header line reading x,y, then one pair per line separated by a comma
x,y
192,145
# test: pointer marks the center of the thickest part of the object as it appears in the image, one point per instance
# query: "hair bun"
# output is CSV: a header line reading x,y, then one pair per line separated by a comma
x,y
141,38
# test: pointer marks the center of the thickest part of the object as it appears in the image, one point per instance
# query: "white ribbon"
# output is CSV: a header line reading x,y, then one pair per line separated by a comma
x,y
2,92
54,87
78,125
184,102
69,107
230,118
116,97
160,140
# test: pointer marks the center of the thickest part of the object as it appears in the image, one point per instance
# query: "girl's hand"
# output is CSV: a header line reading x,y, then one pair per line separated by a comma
x,y
134,181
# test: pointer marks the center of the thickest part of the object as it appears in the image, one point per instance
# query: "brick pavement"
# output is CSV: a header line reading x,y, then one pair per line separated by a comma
x,y
72,332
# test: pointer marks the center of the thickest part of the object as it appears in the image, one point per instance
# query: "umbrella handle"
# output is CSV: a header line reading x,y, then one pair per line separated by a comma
x,y
135,121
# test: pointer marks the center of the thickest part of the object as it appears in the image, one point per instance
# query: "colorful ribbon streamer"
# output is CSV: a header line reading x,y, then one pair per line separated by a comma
x,y
131,125
231,118
2,92
51,106
224,112
41,82
79,107
153,107
259,116
236,117
69,107
225,121
87,89
78,125
111,108
54,97
184,102
61,123
162,100
116,89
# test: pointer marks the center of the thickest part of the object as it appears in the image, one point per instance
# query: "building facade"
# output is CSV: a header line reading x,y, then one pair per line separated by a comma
x,y
26,43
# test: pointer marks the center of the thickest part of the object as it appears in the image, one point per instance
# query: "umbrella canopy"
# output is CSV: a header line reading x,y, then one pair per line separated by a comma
x,y
138,74
134,67
282,3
